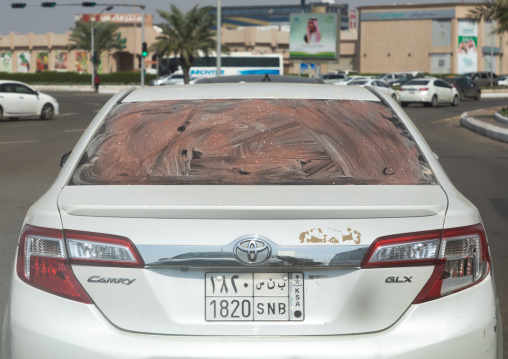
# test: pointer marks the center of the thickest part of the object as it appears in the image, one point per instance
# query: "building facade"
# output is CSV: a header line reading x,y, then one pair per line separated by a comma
x,y
433,38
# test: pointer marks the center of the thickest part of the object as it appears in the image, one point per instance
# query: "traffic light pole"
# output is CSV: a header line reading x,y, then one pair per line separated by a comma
x,y
142,41
92,57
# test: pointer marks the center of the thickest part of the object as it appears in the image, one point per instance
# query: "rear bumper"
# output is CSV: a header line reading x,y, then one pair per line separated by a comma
x,y
463,325
404,96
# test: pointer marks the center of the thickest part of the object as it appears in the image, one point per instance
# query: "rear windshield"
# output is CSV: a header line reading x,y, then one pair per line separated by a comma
x,y
417,83
252,141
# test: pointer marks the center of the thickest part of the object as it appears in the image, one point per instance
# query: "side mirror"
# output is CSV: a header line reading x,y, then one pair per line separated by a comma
x,y
64,158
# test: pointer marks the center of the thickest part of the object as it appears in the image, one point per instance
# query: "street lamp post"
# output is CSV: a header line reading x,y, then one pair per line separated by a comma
x,y
219,25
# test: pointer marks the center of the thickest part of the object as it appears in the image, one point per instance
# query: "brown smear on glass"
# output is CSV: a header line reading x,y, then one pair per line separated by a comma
x,y
252,141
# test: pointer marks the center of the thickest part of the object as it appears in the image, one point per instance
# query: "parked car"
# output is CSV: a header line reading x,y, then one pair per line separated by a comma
x,y
396,78
379,84
482,78
20,100
429,91
175,78
465,87
350,79
503,80
254,220
332,77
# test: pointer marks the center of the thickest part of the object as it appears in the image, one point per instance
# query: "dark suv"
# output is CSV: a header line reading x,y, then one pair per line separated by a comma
x,y
482,78
465,87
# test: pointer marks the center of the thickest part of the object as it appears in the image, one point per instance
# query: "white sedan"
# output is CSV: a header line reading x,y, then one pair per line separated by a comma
x,y
429,91
20,100
379,84
252,220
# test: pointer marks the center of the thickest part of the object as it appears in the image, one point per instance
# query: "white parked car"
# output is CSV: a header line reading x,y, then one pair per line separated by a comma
x,y
429,91
20,100
175,78
503,80
333,77
253,220
350,79
379,84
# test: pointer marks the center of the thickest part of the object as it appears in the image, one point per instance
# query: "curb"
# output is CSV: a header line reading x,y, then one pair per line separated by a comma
x,y
103,89
501,118
486,129
494,94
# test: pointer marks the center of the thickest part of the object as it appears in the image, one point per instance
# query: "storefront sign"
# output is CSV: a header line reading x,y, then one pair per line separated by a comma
x,y
115,18
408,15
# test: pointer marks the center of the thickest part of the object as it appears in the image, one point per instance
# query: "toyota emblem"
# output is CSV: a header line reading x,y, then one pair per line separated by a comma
x,y
252,250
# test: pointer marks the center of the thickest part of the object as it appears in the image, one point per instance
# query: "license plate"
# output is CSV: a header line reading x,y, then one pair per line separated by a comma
x,y
254,297
411,92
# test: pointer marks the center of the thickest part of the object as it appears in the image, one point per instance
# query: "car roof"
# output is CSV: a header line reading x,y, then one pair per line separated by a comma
x,y
250,90
260,78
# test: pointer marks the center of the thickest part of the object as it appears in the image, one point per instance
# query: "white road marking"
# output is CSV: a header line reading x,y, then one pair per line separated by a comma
x,y
18,142
67,114
75,130
447,119
94,103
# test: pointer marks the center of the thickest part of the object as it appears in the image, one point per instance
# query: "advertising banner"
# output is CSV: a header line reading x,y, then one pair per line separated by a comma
x,y
6,61
23,61
42,61
313,36
61,63
81,63
468,42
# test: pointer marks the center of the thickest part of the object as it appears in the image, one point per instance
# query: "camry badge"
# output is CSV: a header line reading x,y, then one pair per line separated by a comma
x,y
113,280
252,250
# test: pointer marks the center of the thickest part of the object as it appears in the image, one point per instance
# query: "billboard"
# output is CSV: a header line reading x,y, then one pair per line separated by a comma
x,y
314,36
468,43
81,63
42,61
6,61
61,60
23,61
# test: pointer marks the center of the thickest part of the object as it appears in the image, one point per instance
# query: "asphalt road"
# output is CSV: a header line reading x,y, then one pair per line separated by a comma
x,y
30,152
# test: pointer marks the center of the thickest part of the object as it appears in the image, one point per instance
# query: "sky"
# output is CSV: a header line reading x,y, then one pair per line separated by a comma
x,y
60,19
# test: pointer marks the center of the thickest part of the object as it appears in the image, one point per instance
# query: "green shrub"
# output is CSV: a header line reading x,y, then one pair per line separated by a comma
x,y
73,78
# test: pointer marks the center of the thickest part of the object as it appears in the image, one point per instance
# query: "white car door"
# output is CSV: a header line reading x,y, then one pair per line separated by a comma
x,y
28,100
9,99
441,91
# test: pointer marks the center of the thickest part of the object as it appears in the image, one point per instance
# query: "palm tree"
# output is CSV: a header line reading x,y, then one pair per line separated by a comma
x,y
105,37
187,35
492,10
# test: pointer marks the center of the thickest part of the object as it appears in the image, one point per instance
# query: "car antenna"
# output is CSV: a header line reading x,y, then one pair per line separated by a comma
x,y
266,78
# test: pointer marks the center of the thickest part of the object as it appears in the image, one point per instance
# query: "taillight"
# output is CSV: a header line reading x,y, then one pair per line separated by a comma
x,y
45,256
464,261
459,255
423,89
42,262
102,249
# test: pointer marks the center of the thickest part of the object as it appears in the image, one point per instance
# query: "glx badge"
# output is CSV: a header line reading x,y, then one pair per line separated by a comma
x,y
398,280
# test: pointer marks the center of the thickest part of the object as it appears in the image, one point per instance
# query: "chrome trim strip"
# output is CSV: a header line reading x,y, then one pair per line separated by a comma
x,y
222,256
